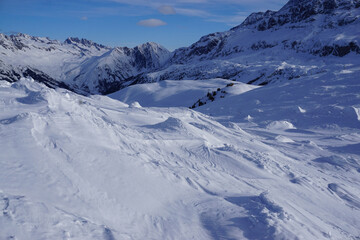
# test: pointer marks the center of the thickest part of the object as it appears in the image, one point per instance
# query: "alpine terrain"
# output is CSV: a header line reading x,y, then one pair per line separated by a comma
x,y
253,133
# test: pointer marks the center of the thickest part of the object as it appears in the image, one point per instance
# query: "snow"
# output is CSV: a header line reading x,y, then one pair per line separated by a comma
x,y
170,93
76,167
281,161
280,125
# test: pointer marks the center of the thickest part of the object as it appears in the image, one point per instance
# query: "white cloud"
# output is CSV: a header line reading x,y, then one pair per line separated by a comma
x,y
151,23
84,18
167,10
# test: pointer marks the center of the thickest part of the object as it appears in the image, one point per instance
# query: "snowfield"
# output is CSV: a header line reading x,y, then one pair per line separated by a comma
x,y
169,93
281,163
273,154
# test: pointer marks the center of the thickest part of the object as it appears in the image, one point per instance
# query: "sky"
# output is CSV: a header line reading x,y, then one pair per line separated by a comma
x,y
171,23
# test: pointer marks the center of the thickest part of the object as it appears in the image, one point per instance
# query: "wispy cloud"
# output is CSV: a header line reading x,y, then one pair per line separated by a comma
x,y
167,10
224,11
152,23
221,11
84,18
192,12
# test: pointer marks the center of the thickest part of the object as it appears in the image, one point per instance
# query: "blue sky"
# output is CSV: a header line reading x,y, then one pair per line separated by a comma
x,y
172,23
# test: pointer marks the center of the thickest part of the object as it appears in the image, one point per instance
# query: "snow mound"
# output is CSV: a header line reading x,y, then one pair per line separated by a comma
x,y
357,111
135,105
280,125
170,124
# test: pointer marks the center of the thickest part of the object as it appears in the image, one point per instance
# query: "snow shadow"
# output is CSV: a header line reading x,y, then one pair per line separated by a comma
x,y
170,124
301,131
254,226
344,194
108,235
13,119
351,149
31,98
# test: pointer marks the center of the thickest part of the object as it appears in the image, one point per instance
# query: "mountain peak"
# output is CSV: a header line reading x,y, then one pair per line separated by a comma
x,y
85,42
150,45
296,11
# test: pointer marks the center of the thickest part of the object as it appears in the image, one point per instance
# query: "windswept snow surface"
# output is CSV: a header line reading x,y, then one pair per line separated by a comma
x,y
169,93
75,167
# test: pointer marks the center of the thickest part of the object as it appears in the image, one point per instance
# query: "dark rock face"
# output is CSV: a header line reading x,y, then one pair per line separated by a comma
x,y
338,50
210,46
15,74
9,75
42,78
143,57
117,67
201,50
296,11
15,43
84,42
261,45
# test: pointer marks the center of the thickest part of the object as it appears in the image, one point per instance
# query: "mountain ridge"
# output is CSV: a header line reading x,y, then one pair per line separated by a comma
x,y
300,29
69,58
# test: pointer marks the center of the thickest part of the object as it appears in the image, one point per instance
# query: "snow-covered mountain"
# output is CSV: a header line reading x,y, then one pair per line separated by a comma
x,y
109,72
319,27
78,64
302,38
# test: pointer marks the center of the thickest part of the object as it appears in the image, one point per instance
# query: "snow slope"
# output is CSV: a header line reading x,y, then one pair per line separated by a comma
x,y
169,93
76,167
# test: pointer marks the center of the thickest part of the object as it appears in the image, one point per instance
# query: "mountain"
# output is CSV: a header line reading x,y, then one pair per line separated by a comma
x,y
301,36
301,39
78,64
109,72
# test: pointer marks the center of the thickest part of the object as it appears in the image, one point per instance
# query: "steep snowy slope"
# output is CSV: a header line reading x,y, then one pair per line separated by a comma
x,y
109,72
76,167
304,34
79,64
